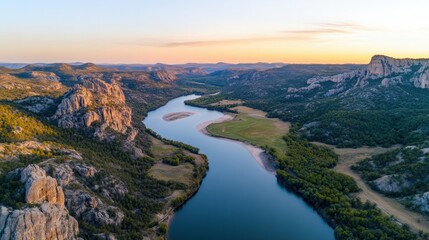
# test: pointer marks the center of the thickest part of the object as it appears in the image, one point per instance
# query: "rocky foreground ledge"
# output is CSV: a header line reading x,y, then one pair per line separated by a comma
x,y
49,219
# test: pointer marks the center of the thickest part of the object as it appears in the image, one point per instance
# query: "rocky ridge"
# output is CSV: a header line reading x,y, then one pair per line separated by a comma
x,y
95,101
385,71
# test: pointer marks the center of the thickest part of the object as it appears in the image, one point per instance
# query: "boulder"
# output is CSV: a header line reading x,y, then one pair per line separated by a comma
x,y
40,188
85,171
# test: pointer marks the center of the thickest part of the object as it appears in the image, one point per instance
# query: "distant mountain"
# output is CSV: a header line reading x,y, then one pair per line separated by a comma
x,y
210,68
203,68
13,65
262,84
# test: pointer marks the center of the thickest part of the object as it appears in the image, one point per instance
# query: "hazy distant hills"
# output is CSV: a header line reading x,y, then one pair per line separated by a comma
x,y
204,67
13,65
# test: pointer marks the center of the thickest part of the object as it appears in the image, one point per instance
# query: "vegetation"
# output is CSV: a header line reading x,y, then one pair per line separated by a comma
x,y
307,171
178,144
11,191
177,159
14,87
209,103
16,126
407,169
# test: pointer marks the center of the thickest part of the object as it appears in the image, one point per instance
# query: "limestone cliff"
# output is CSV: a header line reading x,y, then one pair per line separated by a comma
x,y
383,70
95,101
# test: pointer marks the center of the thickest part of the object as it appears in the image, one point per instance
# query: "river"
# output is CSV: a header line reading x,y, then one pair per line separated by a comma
x,y
238,199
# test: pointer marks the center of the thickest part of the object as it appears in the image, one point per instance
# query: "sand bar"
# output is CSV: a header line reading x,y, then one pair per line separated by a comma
x,y
176,115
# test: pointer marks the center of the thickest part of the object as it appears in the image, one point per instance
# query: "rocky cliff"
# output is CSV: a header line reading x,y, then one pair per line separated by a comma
x,y
97,104
382,70
49,220
45,222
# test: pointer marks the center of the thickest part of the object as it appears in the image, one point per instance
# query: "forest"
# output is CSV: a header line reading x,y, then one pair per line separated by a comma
x,y
307,170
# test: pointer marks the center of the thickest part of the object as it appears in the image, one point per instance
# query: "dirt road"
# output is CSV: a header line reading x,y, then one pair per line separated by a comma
x,y
391,207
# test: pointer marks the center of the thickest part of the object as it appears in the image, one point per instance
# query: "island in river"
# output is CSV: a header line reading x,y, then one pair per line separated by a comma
x,y
176,116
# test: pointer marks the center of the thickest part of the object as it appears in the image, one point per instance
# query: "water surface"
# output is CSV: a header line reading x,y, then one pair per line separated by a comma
x,y
238,198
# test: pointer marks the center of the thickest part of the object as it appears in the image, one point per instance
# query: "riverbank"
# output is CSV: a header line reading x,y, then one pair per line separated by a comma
x,y
257,153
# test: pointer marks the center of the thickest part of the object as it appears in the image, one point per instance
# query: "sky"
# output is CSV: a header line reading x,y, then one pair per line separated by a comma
x,y
181,31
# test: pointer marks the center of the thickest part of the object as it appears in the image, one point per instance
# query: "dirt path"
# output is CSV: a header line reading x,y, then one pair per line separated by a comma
x,y
389,206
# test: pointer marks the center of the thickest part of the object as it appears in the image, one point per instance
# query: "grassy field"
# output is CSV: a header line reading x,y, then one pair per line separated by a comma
x,y
164,172
182,173
251,126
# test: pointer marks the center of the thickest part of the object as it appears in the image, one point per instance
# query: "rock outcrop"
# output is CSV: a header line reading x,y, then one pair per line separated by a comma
x,y
385,70
48,76
92,210
81,199
391,183
85,171
48,222
421,201
95,101
40,188
64,174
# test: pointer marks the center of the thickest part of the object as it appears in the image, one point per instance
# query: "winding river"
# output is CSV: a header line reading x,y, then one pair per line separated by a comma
x,y
238,199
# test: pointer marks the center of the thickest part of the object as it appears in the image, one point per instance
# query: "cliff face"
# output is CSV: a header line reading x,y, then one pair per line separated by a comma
x,y
50,220
95,101
385,71
45,222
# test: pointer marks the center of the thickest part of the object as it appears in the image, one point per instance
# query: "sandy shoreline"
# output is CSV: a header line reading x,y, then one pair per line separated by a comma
x,y
257,153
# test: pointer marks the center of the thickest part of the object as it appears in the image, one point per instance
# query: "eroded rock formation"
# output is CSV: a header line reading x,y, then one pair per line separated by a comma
x,y
49,220
95,101
388,71
40,188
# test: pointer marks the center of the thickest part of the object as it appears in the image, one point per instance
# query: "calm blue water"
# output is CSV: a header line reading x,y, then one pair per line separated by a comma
x,y
238,198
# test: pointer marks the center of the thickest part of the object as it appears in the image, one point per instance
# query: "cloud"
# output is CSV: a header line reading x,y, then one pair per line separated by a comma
x,y
317,31
345,26
231,41
331,28
312,32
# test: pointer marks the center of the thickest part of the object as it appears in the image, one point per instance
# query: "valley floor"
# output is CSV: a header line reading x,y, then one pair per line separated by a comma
x,y
349,157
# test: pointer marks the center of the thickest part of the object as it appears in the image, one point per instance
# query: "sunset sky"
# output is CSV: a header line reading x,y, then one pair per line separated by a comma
x,y
179,31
